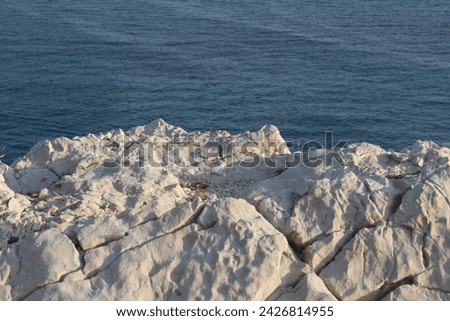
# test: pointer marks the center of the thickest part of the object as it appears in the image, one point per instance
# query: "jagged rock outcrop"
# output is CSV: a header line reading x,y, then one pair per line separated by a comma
x,y
159,213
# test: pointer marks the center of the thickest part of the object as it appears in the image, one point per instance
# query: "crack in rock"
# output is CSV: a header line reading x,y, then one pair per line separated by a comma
x,y
61,279
192,220
390,287
340,248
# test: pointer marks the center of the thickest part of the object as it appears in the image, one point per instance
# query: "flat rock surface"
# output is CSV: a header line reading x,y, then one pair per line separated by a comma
x,y
159,213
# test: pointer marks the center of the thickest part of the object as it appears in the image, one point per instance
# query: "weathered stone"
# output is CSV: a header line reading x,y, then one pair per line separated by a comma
x,y
37,261
416,293
374,259
309,288
231,253
159,213
100,230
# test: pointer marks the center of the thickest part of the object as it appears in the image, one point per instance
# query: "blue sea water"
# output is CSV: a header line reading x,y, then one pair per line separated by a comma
x,y
369,70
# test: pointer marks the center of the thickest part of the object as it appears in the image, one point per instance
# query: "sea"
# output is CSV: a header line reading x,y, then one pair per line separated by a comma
x,y
368,70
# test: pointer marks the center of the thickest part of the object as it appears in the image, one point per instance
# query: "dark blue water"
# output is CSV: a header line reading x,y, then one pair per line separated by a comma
x,y
369,70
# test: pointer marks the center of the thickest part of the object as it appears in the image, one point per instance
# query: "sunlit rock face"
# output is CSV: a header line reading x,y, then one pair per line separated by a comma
x,y
159,213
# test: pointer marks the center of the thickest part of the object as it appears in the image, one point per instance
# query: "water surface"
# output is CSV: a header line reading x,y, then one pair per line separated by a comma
x,y
369,70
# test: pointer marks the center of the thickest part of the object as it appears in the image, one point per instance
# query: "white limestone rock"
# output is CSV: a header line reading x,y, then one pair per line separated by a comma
x,y
61,156
367,159
99,258
233,253
309,288
374,259
124,191
3,169
5,192
172,147
435,253
415,293
5,293
420,152
322,251
37,261
426,207
97,231
157,128
30,180
18,203
150,213
307,205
